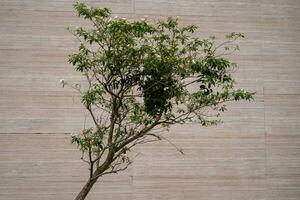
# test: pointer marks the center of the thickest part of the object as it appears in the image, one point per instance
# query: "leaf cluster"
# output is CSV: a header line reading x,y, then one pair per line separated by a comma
x,y
142,75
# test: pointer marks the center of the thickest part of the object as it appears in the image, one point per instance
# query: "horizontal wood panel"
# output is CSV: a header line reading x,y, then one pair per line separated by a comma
x,y
254,154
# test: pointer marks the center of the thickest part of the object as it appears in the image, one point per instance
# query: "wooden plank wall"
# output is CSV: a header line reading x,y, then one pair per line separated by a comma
x,y
254,155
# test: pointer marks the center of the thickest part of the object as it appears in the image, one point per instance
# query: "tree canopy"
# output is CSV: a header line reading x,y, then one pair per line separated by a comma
x,y
143,76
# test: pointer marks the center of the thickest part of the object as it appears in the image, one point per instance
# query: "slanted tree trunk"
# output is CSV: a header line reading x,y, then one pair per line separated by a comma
x,y
93,179
86,189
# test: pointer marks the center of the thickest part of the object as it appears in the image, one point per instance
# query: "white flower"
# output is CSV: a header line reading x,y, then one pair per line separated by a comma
x,y
143,19
63,82
124,18
116,17
74,134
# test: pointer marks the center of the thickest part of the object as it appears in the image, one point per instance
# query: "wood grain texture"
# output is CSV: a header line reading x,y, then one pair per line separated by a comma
x,y
253,155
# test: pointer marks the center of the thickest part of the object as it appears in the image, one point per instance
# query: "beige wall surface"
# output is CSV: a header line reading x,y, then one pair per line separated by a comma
x,y
253,155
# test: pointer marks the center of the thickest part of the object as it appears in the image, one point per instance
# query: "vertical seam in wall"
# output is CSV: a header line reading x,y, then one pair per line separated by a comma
x,y
264,110
265,134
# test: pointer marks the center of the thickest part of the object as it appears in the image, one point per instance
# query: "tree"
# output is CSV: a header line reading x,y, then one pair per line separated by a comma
x,y
143,77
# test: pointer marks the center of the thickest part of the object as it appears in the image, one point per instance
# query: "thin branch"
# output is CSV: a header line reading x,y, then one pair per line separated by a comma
x,y
93,116
174,145
82,158
159,137
194,81
223,43
91,163
113,171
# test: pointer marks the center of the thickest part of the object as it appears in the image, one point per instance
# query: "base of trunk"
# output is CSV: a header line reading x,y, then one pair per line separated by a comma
x,y
86,189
